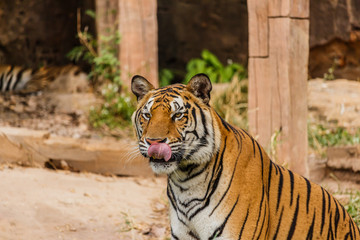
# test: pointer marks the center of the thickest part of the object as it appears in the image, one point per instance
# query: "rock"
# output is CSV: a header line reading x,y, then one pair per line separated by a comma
x,y
338,55
17,146
335,101
338,44
71,102
340,18
344,158
35,148
69,79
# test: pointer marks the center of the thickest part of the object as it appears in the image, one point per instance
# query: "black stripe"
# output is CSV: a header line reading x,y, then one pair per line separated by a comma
x,y
343,212
291,186
243,226
279,189
203,119
192,234
211,180
294,221
189,176
182,189
352,226
18,78
214,185
262,224
208,198
308,186
311,229
231,180
276,168
329,199
7,88
323,211
279,223
219,230
189,168
1,81
260,211
262,161
267,230
269,179
171,195
337,217
252,139
330,232
8,79
137,117
173,235
225,124
173,96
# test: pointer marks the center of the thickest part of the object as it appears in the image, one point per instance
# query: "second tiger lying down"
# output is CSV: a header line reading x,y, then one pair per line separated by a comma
x,y
221,183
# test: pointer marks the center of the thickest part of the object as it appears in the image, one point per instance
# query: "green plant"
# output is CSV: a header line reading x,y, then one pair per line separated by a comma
x,y
211,66
117,107
330,73
320,137
128,223
165,77
353,207
275,141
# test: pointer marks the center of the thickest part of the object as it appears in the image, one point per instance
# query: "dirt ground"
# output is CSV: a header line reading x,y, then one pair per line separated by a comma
x,y
47,204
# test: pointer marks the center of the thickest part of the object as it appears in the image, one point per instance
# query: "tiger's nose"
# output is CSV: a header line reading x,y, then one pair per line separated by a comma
x,y
155,140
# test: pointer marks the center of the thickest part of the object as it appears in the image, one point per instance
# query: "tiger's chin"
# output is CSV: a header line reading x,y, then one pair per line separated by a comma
x,y
160,166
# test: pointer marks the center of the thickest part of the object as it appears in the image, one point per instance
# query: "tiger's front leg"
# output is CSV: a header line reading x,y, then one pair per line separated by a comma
x,y
180,231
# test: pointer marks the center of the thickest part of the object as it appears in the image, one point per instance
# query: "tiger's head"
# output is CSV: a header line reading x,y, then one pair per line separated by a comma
x,y
174,124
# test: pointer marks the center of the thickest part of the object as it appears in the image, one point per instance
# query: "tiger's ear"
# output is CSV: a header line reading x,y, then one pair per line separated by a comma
x,y
200,86
140,86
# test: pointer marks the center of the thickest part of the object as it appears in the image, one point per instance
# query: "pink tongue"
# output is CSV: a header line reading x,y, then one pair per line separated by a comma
x,y
160,151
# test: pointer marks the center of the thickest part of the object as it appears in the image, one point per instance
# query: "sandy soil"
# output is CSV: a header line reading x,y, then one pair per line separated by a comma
x,y
47,204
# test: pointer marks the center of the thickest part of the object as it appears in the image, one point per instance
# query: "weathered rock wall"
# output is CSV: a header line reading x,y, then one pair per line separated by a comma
x,y
334,19
34,33
335,38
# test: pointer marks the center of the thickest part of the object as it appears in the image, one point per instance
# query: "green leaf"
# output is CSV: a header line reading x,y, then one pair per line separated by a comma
x,y
90,13
211,59
165,77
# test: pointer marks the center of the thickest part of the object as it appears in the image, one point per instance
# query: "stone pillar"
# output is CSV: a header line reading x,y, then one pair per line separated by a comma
x,y
136,22
138,51
278,59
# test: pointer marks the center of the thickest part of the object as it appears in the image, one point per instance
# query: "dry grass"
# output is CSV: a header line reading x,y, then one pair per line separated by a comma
x,y
231,101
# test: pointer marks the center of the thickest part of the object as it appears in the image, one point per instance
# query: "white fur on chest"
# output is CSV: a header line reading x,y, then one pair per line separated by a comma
x,y
200,217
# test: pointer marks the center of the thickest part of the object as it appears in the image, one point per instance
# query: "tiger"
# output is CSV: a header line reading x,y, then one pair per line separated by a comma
x,y
14,78
221,184
23,80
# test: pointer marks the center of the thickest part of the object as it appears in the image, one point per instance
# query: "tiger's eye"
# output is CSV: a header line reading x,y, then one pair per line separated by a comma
x,y
147,116
177,115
